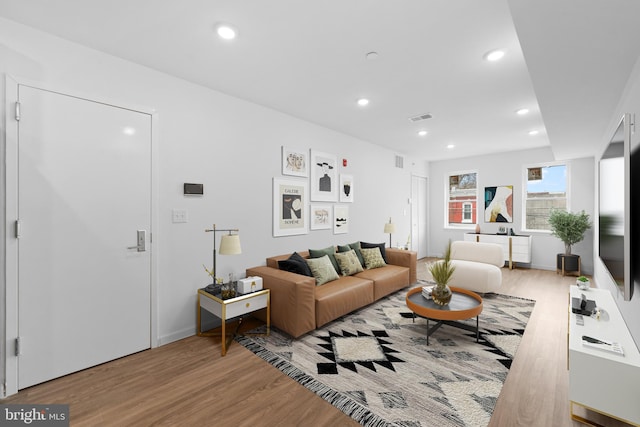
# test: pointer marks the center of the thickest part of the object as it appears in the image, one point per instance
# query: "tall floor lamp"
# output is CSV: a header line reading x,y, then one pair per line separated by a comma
x,y
229,244
390,228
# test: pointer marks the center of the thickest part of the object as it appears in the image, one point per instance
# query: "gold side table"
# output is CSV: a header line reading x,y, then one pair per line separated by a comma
x,y
231,308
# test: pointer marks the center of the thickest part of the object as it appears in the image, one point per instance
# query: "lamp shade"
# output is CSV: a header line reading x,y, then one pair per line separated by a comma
x,y
230,244
389,228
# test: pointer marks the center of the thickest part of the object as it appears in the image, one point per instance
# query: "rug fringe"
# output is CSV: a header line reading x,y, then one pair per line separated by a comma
x,y
347,405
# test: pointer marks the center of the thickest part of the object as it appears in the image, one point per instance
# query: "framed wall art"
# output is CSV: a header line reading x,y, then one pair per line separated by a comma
x,y
498,204
346,188
324,177
321,217
290,215
295,162
340,219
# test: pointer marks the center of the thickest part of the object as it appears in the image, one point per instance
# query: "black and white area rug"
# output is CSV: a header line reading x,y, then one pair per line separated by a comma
x,y
374,364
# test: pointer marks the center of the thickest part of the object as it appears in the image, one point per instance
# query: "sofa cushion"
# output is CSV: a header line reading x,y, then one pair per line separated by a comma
x,y
348,262
341,297
330,252
372,258
322,270
295,264
381,246
387,279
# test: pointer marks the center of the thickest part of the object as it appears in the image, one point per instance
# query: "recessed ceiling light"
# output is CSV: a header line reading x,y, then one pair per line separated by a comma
x,y
522,111
534,132
363,102
226,31
450,146
494,55
422,132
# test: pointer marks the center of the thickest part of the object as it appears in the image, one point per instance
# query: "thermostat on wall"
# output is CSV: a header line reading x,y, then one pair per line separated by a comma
x,y
193,189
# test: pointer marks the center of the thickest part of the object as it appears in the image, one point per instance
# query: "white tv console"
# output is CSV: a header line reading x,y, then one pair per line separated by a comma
x,y
600,380
515,248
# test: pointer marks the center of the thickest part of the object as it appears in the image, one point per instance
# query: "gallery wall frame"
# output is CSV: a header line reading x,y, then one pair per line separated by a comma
x,y
340,219
295,162
321,216
346,188
498,203
290,207
324,177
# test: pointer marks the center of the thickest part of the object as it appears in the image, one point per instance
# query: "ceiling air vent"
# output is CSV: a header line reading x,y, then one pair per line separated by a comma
x,y
420,117
400,162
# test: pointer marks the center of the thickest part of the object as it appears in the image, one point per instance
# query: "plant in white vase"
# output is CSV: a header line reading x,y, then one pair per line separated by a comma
x,y
583,283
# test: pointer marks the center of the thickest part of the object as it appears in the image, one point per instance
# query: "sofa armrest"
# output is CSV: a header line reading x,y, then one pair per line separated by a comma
x,y
293,307
404,259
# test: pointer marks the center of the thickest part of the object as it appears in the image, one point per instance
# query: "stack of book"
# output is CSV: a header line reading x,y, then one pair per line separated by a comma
x,y
426,291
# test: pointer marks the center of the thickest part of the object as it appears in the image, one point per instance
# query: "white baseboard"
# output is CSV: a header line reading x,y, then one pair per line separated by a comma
x,y
207,324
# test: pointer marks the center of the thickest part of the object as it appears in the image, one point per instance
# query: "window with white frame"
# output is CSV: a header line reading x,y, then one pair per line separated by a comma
x,y
462,198
467,212
545,189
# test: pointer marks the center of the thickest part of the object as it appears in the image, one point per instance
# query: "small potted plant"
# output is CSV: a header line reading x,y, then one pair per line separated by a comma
x,y
441,271
583,283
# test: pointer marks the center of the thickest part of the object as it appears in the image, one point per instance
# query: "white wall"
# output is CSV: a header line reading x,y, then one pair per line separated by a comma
x,y
630,103
508,169
231,146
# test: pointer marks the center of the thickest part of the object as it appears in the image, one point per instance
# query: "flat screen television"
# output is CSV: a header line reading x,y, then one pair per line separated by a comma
x,y
618,246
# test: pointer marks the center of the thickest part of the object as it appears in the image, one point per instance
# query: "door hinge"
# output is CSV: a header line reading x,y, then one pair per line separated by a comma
x,y
18,349
17,111
18,228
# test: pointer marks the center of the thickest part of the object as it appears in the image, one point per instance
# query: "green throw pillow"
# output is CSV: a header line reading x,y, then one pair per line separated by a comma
x,y
344,248
348,262
381,246
356,248
330,251
372,258
322,270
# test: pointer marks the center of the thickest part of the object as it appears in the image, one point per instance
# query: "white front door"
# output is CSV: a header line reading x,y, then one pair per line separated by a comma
x,y
419,220
84,190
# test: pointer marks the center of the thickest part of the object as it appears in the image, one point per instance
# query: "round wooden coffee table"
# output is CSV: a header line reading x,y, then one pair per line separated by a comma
x,y
464,305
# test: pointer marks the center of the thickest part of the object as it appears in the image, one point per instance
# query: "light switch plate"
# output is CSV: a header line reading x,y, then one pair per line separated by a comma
x,y
179,216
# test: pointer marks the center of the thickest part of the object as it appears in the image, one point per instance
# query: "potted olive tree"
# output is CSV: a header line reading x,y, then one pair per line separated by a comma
x,y
570,228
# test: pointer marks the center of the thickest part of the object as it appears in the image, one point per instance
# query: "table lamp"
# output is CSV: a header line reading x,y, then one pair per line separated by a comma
x,y
229,244
389,228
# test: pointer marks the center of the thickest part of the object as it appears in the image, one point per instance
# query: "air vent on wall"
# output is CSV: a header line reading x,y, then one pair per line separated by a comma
x,y
420,117
400,162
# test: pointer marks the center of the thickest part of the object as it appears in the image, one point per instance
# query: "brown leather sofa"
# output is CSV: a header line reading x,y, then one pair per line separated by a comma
x,y
299,306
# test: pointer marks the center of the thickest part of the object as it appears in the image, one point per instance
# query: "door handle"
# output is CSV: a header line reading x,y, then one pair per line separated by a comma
x,y
142,241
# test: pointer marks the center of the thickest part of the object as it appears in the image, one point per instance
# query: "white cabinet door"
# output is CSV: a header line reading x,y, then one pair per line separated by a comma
x,y
84,189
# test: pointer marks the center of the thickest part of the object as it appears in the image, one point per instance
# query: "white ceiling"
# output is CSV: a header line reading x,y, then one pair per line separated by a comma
x,y
307,59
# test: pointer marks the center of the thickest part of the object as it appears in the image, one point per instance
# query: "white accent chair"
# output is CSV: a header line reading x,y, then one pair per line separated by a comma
x,y
477,266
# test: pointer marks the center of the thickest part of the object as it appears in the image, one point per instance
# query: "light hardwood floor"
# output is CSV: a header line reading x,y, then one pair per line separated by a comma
x,y
188,383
